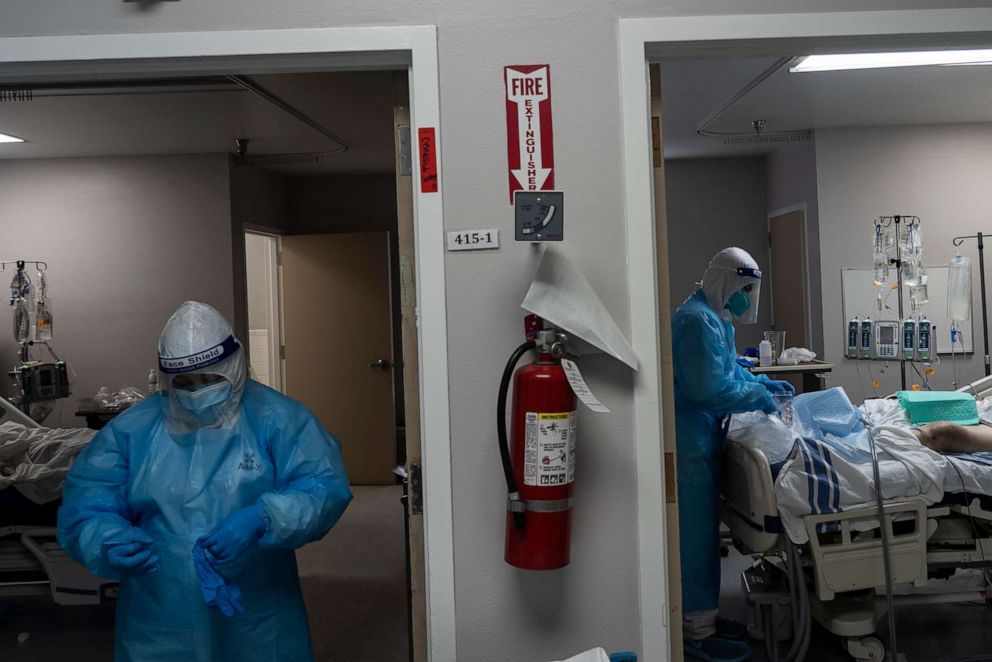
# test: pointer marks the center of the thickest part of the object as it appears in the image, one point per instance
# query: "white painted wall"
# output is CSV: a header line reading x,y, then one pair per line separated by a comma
x,y
126,240
503,614
939,173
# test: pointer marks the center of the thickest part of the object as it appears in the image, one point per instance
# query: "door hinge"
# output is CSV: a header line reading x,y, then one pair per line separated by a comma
x,y
406,151
416,490
656,141
278,258
282,352
769,238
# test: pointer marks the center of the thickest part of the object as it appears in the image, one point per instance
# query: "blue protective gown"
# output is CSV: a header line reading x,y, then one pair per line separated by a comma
x,y
709,384
176,490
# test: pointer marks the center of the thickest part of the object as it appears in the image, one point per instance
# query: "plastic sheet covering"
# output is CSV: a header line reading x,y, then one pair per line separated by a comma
x,y
36,460
768,432
594,655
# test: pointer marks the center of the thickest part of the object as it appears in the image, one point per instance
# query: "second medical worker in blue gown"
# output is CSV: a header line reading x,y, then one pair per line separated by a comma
x,y
709,384
213,457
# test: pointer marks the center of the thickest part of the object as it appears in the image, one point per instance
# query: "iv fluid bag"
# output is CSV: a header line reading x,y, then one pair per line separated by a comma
x,y
22,322
911,270
959,289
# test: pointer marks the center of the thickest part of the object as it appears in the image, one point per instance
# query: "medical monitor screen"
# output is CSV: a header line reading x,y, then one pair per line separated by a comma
x,y
886,335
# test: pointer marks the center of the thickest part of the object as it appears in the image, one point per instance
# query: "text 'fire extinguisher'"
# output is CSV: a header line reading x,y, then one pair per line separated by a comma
x,y
539,458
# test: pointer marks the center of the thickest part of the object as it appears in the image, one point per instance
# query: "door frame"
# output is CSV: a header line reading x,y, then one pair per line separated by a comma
x,y
413,48
808,313
646,40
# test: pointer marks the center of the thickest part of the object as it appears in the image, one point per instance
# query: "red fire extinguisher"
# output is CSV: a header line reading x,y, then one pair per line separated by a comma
x,y
539,460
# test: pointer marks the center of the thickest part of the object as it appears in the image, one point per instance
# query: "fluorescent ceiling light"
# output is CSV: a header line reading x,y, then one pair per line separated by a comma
x,y
4,138
845,61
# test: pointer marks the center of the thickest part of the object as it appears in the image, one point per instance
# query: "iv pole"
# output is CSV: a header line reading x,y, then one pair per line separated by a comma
x,y
884,222
957,241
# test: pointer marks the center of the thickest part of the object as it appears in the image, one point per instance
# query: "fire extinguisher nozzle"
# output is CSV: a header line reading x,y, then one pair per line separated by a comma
x,y
518,520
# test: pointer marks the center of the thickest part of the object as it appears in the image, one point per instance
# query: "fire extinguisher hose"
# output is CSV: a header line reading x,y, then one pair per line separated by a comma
x,y
504,445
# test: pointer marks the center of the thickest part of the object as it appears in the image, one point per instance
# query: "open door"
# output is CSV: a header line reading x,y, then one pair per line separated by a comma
x,y
338,344
667,371
790,286
416,572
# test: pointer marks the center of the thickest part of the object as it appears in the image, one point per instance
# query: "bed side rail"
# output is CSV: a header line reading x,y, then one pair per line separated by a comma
x,y
847,547
747,500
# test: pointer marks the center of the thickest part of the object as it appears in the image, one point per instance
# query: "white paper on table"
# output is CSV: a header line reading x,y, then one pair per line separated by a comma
x,y
561,295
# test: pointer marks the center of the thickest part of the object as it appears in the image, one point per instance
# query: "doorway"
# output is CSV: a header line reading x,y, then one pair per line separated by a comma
x,y
645,41
264,309
273,51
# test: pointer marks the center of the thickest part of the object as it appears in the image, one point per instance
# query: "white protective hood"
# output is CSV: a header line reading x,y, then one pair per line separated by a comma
x,y
729,271
198,340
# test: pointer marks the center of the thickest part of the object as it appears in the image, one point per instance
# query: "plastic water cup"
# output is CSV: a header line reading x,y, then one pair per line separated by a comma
x,y
777,340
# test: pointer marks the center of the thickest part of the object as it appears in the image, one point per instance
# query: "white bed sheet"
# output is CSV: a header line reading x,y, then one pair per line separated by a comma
x,y
818,479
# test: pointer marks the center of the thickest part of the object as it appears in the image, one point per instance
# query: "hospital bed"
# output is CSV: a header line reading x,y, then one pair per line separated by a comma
x,y
938,552
31,561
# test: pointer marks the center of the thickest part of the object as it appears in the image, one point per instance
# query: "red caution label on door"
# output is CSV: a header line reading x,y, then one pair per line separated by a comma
x,y
427,153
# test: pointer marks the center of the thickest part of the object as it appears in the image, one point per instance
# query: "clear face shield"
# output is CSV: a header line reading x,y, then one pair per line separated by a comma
x,y
748,293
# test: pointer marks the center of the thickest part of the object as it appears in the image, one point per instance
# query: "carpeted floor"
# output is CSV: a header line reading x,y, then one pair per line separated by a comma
x,y
354,583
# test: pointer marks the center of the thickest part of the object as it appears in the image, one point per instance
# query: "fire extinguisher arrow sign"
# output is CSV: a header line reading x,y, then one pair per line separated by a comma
x,y
529,140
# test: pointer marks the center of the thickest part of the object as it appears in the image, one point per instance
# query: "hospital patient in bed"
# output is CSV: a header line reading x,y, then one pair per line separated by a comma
x,y
945,437
829,416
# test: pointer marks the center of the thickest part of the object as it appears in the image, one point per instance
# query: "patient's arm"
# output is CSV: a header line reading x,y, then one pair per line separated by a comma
x,y
946,437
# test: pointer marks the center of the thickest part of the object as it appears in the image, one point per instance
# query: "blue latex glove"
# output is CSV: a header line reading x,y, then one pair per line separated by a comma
x,y
218,591
768,404
129,554
777,386
235,535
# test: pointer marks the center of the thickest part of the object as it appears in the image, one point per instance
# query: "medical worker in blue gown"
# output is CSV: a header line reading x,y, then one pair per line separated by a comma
x,y
217,460
709,384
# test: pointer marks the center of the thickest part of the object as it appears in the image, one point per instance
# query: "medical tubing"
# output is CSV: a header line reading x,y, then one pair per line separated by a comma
x,y
975,531
504,445
802,619
802,624
893,648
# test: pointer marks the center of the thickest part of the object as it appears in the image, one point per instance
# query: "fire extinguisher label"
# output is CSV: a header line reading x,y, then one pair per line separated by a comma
x,y
549,449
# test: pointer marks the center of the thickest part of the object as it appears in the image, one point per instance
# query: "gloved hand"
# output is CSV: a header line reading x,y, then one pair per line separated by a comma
x,y
768,404
235,535
218,591
776,386
129,553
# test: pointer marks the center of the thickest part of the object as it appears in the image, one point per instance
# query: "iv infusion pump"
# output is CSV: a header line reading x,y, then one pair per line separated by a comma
x,y
887,340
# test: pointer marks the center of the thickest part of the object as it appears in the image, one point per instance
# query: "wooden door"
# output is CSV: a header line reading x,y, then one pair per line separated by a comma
x,y
337,331
789,282
417,562
667,374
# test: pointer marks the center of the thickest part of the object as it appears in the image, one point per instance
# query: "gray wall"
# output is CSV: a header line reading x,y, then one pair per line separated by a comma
x,y
712,204
791,171
939,173
503,614
126,240
259,200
